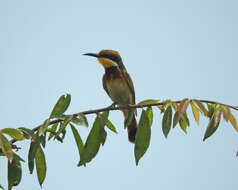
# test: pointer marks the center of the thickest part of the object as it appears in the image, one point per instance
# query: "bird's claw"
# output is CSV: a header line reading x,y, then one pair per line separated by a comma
x,y
113,105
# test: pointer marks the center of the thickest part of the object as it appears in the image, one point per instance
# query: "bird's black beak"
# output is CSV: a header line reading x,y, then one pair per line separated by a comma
x,y
92,54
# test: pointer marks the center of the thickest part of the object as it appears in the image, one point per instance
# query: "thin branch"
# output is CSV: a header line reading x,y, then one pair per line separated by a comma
x,y
127,107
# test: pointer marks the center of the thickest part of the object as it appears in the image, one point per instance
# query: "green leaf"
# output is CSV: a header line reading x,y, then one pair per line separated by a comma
x,y
195,111
1,187
183,125
167,121
43,140
232,120
14,133
111,126
53,130
149,112
180,111
6,147
93,142
31,154
149,101
213,124
18,158
63,125
143,134
61,106
77,139
28,133
80,119
44,127
103,133
14,172
201,107
40,165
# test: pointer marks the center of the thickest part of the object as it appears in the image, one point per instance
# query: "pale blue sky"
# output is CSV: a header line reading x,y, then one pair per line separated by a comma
x,y
172,49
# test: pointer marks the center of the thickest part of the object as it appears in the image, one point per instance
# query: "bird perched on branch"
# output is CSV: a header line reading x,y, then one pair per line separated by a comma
x,y
119,86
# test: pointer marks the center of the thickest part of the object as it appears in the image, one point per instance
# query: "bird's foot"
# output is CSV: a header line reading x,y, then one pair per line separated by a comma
x,y
113,105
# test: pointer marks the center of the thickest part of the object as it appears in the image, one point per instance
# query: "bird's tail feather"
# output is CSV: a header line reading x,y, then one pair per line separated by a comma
x,y
131,126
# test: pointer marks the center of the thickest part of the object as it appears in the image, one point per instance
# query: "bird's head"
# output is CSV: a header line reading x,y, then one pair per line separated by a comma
x,y
107,58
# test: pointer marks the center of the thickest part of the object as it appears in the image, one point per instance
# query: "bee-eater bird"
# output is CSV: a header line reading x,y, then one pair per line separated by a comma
x,y
118,85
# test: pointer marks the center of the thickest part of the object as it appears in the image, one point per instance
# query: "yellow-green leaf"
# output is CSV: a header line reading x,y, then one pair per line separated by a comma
x,y
6,147
213,124
149,112
232,120
143,134
167,121
61,106
14,133
201,107
40,165
111,126
195,112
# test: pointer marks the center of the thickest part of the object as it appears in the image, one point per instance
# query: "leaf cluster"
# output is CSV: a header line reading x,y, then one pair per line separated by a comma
x,y
54,128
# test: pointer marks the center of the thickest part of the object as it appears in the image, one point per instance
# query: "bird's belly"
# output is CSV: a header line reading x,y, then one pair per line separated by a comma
x,y
119,92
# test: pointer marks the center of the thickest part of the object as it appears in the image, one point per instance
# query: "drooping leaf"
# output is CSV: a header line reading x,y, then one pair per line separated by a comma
x,y
183,125
43,140
201,107
14,133
44,127
93,142
1,187
143,134
232,120
14,172
77,139
149,112
40,165
31,154
213,124
195,111
53,130
111,126
103,133
180,111
211,109
6,147
176,119
61,106
167,121
226,113
149,101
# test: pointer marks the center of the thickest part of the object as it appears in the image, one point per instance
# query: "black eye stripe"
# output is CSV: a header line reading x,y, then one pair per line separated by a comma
x,y
114,58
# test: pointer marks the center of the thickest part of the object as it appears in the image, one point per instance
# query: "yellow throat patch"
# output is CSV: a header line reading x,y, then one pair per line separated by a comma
x,y
106,63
